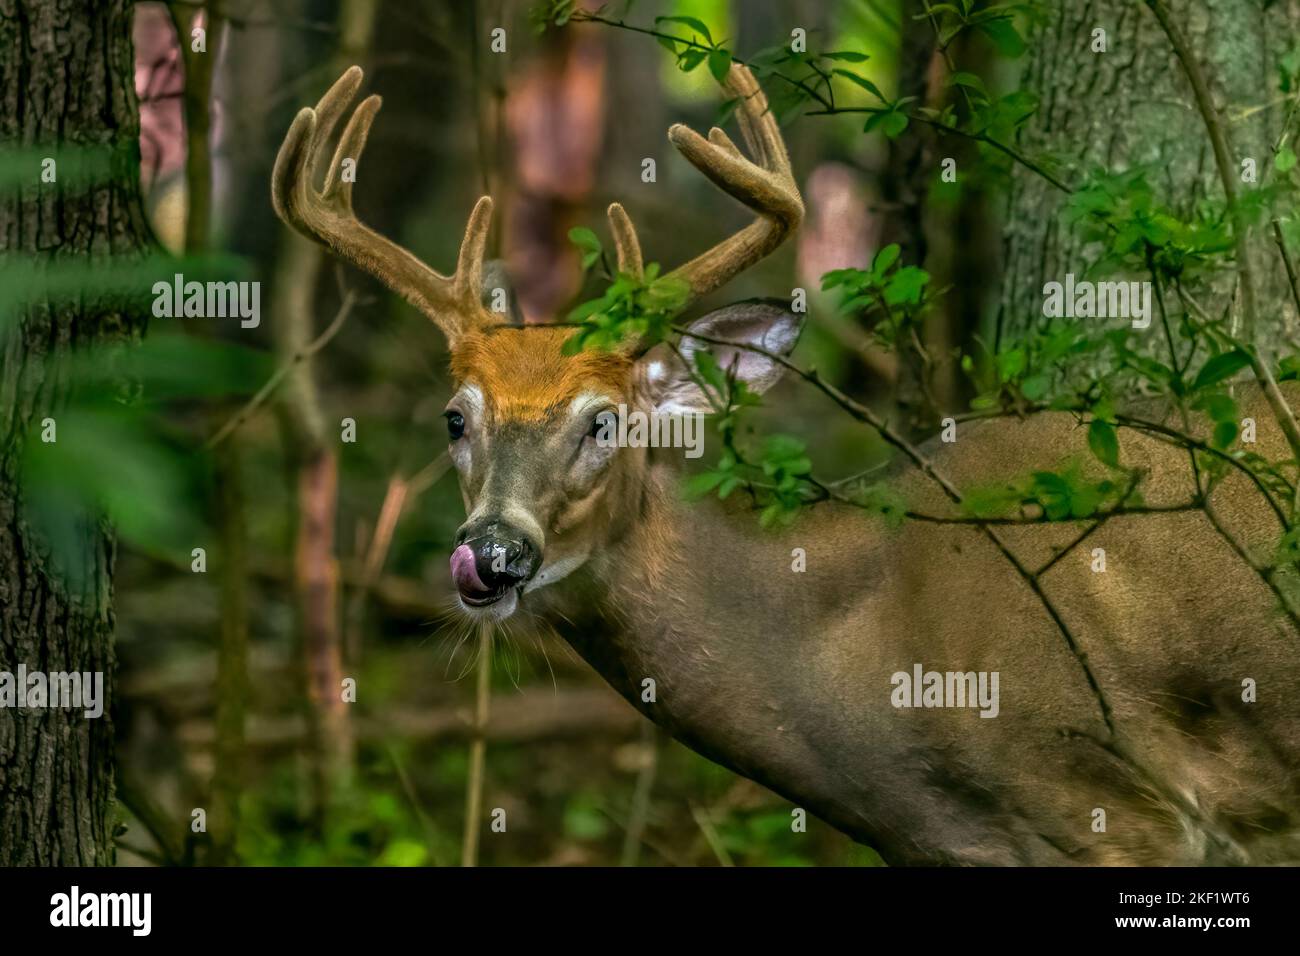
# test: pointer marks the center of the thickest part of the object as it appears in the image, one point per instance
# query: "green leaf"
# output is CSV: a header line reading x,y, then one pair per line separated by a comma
x,y
1285,160
862,82
696,25
1289,368
584,311
1005,36
690,59
1225,433
404,852
583,820
797,466
1104,442
1011,364
706,363
844,277
171,365
1220,407
885,258
668,294
884,501
1220,367
783,447
697,486
970,81
848,56
1036,386
720,64
113,459
584,238
894,125
905,286
874,120
950,33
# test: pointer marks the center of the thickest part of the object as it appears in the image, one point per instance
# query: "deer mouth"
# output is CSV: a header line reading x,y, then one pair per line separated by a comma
x,y
471,588
482,598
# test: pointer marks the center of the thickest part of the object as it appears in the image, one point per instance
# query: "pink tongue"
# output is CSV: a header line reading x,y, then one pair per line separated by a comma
x,y
463,571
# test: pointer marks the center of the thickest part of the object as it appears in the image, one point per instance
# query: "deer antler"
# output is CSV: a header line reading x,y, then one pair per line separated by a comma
x,y
453,302
765,184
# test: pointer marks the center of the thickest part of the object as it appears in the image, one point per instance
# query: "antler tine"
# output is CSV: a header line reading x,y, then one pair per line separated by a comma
x,y
757,124
467,283
351,144
626,243
453,302
765,184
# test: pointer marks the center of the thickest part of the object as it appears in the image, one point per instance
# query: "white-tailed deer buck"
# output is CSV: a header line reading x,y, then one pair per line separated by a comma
x,y
1148,713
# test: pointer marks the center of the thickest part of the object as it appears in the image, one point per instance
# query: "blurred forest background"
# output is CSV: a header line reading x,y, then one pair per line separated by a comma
x,y
326,559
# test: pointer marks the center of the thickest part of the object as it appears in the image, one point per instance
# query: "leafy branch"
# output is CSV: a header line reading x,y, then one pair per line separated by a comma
x,y
823,70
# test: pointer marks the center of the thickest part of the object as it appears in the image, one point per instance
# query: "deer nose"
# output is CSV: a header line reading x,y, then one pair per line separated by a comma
x,y
487,564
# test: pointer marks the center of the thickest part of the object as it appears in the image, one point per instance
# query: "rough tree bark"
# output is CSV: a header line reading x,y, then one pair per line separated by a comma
x,y
66,84
1133,106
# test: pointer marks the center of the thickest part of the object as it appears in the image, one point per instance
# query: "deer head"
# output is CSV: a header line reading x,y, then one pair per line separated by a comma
x,y
541,494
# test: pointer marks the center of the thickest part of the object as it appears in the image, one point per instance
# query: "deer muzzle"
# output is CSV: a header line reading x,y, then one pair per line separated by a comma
x,y
487,565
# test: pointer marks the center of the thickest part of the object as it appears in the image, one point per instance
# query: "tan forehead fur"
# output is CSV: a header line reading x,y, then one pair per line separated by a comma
x,y
525,374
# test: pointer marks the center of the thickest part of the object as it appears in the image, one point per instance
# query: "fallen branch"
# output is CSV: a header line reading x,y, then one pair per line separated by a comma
x,y
524,717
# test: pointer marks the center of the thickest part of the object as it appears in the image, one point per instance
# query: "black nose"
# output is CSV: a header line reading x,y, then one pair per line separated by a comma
x,y
503,556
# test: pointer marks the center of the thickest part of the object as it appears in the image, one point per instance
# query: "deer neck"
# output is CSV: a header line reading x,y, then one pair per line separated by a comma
x,y
698,599
697,617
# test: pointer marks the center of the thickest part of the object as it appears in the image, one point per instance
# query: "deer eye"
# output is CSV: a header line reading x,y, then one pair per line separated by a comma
x,y
604,423
455,424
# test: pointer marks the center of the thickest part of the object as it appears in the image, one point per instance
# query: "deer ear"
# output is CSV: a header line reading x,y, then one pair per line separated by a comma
x,y
499,292
766,324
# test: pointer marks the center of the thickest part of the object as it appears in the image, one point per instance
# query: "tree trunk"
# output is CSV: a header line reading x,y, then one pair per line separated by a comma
x,y
1133,106
66,86
313,468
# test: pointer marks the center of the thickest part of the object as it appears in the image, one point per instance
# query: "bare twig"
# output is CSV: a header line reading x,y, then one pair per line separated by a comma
x,y
1222,160
863,414
1268,384
401,491
645,781
477,749
1292,283
1014,522
408,787
152,817
281,372
827,103
701,817
376,553
427,476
